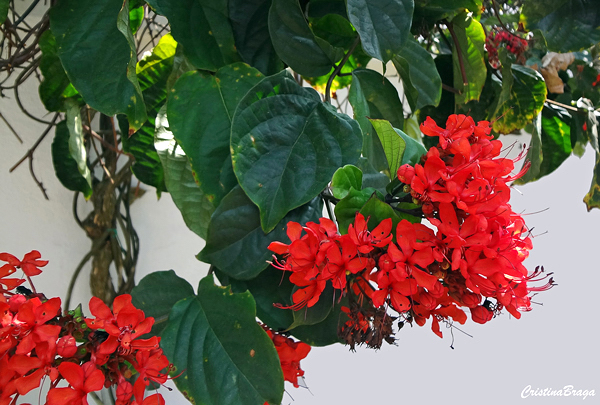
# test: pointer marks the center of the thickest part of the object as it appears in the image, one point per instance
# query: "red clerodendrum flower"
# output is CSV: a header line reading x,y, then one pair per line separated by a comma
x,y
290,353
30,263
82,380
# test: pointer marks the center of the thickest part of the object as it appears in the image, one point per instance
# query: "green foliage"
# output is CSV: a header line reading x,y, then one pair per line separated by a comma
x,y
65,166
236,243
83,42
383,26
468,56
157,293
286,144
214,336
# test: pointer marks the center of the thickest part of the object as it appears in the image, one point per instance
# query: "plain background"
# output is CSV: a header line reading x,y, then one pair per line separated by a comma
x,y
554,345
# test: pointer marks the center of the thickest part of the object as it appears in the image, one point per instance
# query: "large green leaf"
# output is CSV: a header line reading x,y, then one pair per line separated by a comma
x,y
236,243
56,87
204,30
271,286
65,167
470,40
346,209
324,333
556,139
189,198
567,25
521,99
377,211
295,42
157,293
97,50
286,144
420,78
153,71
249,21
383,25
318,312
200,110
226,358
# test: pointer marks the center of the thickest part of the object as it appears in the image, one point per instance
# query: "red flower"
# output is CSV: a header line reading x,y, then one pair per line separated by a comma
x,y
30,265
82,379
149,365
290,353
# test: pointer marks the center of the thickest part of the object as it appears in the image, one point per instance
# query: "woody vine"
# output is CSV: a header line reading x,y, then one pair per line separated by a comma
x,y
242,114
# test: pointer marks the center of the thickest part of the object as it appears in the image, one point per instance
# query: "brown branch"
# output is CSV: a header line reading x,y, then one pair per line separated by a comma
x,y
450,89
498,16
106,144
459,53
568,107
36,144
11,128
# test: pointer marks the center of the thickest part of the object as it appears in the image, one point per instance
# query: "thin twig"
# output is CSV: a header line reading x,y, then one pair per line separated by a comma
x,y
568,107
36,144
498,16
450,89
11,128
338,69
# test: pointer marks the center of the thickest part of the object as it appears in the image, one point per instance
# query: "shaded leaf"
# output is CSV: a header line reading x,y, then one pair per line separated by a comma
x,y
204,30
430,11
157,293
65,166
567,25
346,209
286,144
592,198
249,21
556,139
200,110
189,198
4,6
471,38
420,77
378,210
110,87
296,44
324,333
236,243
318,312
383,25
56,87
214,337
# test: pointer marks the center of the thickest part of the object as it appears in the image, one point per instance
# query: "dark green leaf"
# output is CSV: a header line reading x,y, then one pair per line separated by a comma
x,y
556,139
324,333
189,198
521,99
157,293
320,8
249,21
181,65
378,210
96,48
373,96
204,30
295,42
271,286
383,25
200,110
153,71
371,177
344,178
427,12
471,38
286,144
534,154
420,77
56,87
65,166
318,312
236,243
339,82
335,29
214,340
567,25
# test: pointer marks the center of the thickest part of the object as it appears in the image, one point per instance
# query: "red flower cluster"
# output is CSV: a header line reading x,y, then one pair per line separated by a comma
x,y
37,342
290,353
474,255
498,37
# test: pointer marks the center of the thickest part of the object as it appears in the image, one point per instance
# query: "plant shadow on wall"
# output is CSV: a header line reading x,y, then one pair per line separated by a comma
x,y
229,107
